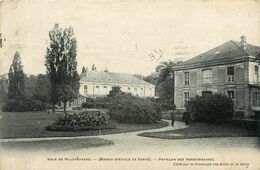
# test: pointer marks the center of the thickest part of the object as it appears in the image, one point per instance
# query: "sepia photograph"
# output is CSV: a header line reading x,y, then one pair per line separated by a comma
x,y
129,84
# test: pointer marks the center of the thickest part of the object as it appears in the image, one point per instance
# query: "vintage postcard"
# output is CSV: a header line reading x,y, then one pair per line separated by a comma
x,y
129,84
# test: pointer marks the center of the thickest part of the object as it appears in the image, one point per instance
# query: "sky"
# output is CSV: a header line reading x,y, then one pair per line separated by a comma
x,y
124,36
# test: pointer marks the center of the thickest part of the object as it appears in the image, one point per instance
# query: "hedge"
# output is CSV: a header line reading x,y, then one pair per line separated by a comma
x,y
214,108
126,108
22,105
96,103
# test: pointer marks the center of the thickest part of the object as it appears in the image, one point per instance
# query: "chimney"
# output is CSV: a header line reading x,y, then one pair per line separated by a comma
x,y
243,42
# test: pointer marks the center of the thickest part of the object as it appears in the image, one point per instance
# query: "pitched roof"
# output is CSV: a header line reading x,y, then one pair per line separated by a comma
x,y
229,50
113,78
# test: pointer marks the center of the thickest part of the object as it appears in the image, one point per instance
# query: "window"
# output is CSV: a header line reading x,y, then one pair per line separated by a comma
x,y
141,89
186,96
230,74
186,78
97,87
85,89
206,76
231,94
255,99
135,89
256,74
128,88
206,93
105,87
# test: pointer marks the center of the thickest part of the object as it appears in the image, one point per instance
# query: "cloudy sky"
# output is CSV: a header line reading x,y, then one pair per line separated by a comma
x,y
125,36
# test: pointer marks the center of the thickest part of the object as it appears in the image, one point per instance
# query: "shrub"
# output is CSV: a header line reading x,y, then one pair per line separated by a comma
x,y
96,103
80,121
215,108
165,104
126,108
22,105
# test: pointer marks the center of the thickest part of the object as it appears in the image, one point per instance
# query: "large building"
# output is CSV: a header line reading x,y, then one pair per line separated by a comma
x,y
231,69
98,84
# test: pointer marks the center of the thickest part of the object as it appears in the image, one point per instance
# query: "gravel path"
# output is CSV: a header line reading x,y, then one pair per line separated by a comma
x,y
178,125
152,153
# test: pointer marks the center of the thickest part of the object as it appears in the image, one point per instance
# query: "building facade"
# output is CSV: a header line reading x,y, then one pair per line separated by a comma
x,y
231,69
98,84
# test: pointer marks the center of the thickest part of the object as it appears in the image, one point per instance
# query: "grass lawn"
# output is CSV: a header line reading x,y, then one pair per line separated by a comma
x,y
55,145
201,130
32,125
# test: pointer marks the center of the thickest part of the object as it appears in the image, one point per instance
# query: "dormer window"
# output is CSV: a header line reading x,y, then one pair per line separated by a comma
x,y
230,74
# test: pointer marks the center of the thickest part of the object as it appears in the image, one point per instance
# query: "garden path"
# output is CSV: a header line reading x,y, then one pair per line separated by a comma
x,y
178,125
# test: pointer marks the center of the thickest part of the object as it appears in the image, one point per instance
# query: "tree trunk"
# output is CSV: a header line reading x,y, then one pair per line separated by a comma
x,y
53,108
65,107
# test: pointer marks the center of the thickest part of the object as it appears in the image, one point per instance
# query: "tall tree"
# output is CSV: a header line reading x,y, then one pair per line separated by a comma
x,y
52,61
68,88
165,83
16,78
61,65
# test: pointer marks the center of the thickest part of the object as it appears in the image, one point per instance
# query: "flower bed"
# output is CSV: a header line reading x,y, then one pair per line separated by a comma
x,y
80,122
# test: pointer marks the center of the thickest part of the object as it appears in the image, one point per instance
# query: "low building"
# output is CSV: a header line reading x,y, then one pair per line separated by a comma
x,y
98,84
231,69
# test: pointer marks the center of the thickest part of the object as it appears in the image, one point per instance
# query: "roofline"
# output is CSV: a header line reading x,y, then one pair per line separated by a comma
x,y
213,63
240,48
93,82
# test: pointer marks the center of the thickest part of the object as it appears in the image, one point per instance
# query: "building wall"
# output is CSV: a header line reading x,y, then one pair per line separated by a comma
x,y
95,89
246,85
218,83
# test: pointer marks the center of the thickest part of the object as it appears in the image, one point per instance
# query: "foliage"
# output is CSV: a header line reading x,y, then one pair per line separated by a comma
x,y
3,88
61,65
165,83
29,85
42,88
35,95
80,121
152,78
96,103
16,78
24,104
214,108
126,108
93,68
114,91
